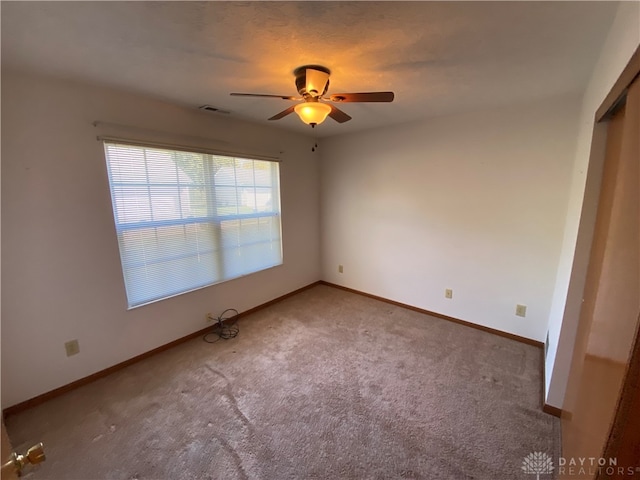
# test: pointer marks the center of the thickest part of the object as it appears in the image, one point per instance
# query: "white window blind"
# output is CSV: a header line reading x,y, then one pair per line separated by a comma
x,y
186,220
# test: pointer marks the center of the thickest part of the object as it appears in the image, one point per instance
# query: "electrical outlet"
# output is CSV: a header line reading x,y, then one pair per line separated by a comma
x,y
448,293
72,347
521,310
208,318
340,269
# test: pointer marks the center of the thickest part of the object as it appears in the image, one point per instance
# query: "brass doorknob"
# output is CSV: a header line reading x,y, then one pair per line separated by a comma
x,y
33,456
36,454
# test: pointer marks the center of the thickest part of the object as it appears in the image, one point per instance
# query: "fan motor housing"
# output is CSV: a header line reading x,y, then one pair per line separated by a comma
x,y
301,79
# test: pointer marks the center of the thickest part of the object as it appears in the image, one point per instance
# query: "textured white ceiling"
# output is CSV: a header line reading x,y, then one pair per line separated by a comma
x,y
438,57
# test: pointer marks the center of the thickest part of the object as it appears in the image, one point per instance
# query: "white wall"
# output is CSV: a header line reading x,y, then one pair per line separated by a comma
x,y
472,202
61,273
623,39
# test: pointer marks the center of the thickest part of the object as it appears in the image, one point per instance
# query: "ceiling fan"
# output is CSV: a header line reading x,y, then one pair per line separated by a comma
x,y
312,82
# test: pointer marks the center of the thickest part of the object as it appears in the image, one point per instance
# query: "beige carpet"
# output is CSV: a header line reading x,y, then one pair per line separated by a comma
x,y
323,385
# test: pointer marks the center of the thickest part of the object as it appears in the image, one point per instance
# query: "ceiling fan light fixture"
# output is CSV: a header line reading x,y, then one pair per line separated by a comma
x,y
312,113
312,82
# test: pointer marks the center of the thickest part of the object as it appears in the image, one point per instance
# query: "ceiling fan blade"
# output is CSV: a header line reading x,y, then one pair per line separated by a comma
x,y
338,115
283,97
362,97
283,113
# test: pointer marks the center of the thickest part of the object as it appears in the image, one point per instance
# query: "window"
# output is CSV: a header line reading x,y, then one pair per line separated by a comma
x,y
186,220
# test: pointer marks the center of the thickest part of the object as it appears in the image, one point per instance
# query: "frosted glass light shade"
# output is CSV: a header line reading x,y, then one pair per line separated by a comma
x,y
312,113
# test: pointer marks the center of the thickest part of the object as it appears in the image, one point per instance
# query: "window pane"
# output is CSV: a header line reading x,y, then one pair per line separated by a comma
x,y
161,167
251,244
190,168
262,174
244,172
193,201
264,199
131,204
226,200
247,197
225,171
126,164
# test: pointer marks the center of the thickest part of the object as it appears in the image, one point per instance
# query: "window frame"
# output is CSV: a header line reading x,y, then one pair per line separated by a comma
x,y
212,218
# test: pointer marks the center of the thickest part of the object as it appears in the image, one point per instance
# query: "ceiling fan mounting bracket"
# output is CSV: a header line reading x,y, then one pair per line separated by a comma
x,y
301,80
302,69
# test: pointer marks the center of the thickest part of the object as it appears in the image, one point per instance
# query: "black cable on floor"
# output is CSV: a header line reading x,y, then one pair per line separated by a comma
x,y
225,327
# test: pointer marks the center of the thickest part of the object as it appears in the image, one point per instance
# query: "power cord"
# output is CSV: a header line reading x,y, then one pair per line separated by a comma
x,y
225,327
